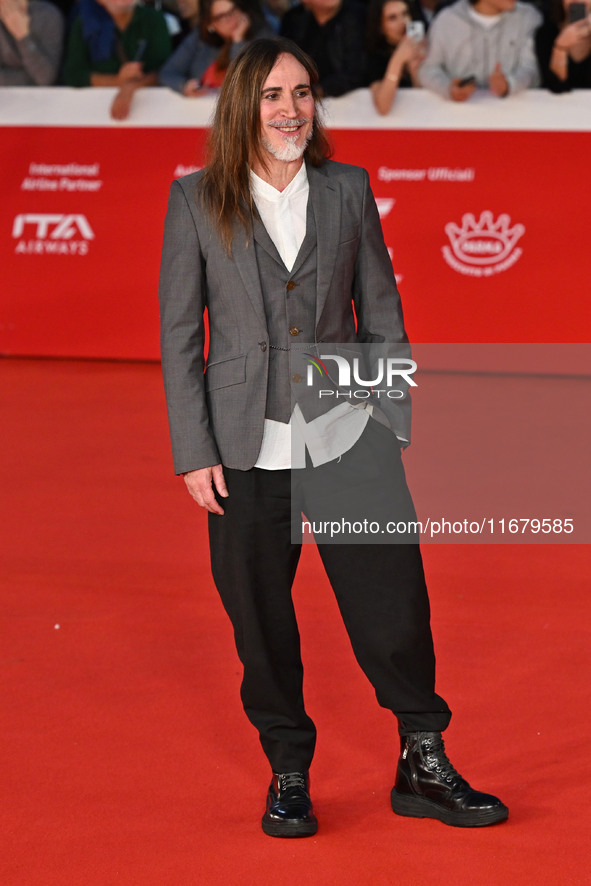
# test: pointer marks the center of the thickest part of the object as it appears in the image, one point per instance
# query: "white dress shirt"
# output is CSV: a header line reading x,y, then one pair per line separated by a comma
x,y
327,437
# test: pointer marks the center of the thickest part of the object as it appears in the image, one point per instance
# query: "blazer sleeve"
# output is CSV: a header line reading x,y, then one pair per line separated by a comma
x,y
182,295
378,308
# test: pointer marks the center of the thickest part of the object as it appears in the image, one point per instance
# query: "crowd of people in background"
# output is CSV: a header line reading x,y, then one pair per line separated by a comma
x,y
451,47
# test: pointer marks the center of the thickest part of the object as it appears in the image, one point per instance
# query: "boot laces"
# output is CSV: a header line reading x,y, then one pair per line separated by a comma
x,y
437,760
288,780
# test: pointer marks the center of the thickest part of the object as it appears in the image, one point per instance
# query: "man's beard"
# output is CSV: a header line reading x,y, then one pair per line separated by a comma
x,y
289,151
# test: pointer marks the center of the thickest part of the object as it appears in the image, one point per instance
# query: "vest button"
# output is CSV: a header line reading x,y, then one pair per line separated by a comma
x,y
297,377
263,345
291,285
294,330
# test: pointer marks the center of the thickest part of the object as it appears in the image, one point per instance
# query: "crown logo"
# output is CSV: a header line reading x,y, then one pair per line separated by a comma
x,y
483,242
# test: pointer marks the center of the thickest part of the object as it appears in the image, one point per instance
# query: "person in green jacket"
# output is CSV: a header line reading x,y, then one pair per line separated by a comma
x,y
116,43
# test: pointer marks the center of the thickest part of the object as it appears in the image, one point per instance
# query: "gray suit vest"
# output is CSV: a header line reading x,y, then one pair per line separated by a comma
x,y
290,307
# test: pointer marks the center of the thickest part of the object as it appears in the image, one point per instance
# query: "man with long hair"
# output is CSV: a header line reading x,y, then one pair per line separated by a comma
x,y
284,246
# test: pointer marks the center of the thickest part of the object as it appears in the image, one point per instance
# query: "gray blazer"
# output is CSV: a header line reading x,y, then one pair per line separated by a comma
x,y
216,413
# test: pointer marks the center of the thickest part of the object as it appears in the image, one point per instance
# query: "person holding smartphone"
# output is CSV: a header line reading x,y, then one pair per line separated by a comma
x,y
485,44
116,43
395,49
563,46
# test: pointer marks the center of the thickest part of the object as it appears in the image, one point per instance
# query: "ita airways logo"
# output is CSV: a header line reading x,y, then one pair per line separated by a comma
x,y
51,234
484,247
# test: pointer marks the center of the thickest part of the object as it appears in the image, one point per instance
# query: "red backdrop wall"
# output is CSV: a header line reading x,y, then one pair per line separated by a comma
x,y
488,232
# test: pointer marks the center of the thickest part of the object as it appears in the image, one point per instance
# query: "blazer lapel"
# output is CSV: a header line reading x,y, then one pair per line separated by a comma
x,y
325,195
244,256
309,241
262,237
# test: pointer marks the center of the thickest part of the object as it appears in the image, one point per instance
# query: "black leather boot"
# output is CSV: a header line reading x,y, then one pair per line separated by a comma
x,y
428,786
289,807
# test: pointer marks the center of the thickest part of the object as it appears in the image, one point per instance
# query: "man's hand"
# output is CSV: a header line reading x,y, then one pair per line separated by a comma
x,y
193,88
459,93
130,71
15,17
121,104
241,27
497,82
573,34
417,60
200,485
406,50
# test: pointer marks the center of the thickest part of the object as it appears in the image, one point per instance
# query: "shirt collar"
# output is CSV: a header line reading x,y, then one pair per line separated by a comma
x,y
263,190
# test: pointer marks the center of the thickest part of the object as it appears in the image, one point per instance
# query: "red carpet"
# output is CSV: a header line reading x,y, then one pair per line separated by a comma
x,y
127,758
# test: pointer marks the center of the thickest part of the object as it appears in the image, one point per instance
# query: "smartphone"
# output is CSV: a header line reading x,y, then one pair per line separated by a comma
x,y
467,81
576,12
141,48
416,30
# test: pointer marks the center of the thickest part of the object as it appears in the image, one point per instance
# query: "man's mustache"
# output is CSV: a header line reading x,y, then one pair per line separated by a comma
x,y
298,121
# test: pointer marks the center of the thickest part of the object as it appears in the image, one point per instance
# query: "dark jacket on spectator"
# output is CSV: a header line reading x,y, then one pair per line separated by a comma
x,y
35,60
336,47
146,25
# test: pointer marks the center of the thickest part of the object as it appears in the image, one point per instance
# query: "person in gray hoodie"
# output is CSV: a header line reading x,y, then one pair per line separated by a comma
x,y
486,44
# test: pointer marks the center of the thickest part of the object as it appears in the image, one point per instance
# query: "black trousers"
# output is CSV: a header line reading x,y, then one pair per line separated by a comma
x,y
380,589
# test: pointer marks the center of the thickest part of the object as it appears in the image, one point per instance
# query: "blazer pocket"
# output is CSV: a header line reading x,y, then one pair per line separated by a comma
x,y
349,234
225,373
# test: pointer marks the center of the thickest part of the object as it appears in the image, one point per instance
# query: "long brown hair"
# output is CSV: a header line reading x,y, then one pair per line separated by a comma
x,y
234,141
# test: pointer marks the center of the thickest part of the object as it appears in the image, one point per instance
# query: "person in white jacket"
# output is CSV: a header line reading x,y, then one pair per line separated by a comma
x,y
486,44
